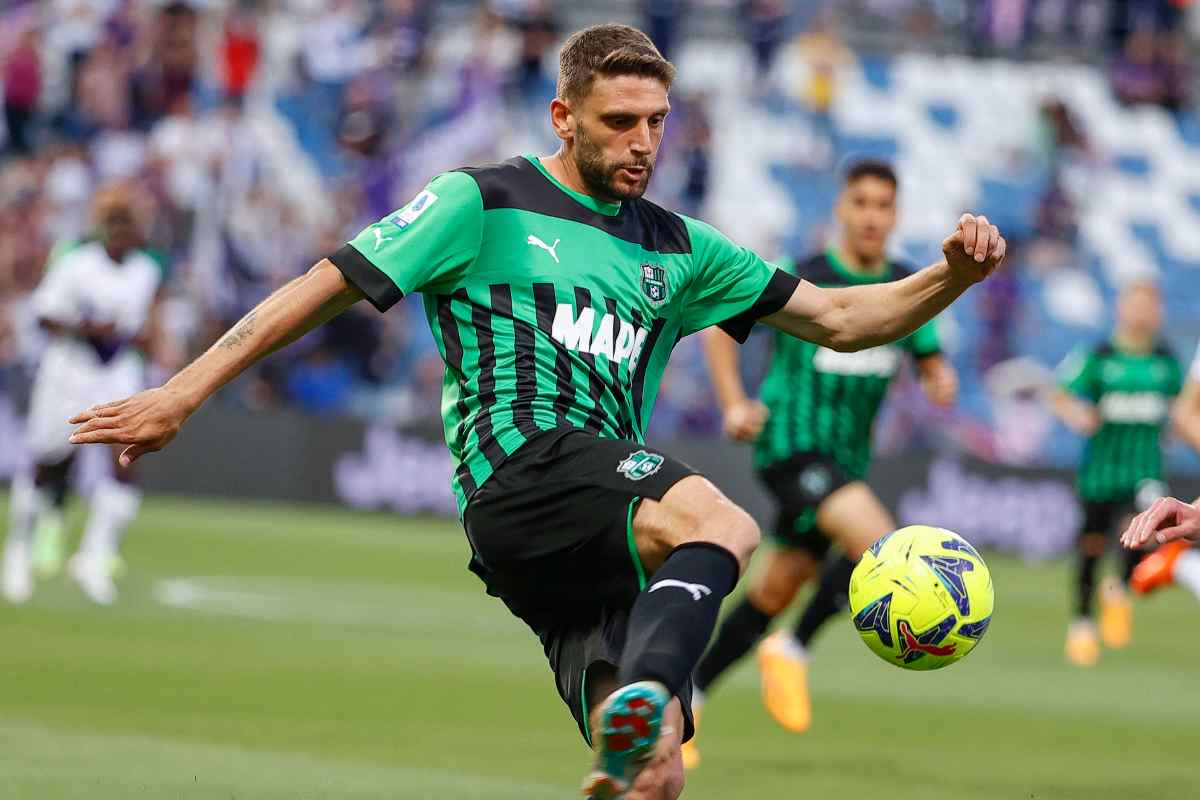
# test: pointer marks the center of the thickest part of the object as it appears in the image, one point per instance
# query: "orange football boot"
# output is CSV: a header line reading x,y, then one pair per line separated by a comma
x,y
784,673
1083,649
1157,569
1116,617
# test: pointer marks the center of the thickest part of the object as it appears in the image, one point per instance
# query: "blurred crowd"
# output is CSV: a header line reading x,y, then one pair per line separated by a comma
x,y
266,132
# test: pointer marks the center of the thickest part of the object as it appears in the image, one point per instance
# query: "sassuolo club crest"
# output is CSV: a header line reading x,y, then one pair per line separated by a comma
x,y
654,283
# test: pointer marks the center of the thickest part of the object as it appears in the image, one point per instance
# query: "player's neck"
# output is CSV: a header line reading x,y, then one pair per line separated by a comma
x,y
855,263
1129,342
567,173
118,256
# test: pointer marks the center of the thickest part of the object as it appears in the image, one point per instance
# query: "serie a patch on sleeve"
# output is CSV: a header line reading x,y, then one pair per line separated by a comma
x,y
419,205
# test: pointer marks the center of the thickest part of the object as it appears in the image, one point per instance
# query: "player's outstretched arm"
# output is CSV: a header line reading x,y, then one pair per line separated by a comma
x,y
743,416
858,317
1166,520
149,420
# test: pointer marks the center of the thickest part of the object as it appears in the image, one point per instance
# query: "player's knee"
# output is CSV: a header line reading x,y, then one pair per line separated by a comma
x,y
733,528
1092,544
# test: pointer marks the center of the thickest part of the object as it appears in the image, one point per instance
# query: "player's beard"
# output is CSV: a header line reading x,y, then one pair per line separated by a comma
x,y
598,174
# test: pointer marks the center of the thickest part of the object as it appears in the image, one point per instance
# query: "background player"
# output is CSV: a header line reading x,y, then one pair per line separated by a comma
x,y
1176,561
812,435
97,302
1119,394
555,293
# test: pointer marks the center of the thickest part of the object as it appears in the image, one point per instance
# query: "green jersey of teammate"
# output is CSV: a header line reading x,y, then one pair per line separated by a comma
x,y
550,308
824,401
1132,393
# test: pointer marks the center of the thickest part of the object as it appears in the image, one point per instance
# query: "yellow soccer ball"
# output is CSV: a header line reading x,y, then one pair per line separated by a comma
x,y
921,597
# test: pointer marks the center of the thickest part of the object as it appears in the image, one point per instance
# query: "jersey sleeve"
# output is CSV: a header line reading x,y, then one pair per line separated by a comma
x,y
1178,376
731,286
1078,374
1194,371
924,341
424,246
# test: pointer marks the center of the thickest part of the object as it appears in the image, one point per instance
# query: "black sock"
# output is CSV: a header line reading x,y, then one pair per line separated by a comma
x,y
739,631
1087,583
1132,559
831,597
673,618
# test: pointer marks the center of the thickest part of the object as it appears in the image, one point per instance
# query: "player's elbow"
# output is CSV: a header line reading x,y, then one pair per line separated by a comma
x,y
844,336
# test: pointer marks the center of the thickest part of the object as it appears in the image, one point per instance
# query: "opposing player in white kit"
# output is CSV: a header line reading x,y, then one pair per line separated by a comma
x,y
96,303
1170,520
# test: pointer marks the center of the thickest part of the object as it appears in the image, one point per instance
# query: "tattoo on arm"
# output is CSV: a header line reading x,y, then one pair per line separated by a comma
x,y
240,333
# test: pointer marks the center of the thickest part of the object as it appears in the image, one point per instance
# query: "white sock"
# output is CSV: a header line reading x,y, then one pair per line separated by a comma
x,y
114,505
1187,571
25,505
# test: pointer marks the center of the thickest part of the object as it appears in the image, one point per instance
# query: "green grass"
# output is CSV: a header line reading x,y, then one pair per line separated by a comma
x,y
265,652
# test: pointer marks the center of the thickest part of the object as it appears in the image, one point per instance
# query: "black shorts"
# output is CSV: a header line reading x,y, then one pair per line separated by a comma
x,y
1107,516
799,485
551,535
1104,516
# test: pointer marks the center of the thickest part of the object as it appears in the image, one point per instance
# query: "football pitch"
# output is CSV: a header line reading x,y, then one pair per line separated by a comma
x,y
264,652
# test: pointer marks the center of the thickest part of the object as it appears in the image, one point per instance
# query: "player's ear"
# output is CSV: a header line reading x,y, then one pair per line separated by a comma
x,y
562,119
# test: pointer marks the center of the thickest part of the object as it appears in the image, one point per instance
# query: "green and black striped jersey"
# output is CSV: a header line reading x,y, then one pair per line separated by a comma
x,y
1133,393
824,401
551,309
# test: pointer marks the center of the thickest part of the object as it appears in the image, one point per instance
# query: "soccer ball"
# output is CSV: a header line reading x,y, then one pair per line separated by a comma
x,y
921,597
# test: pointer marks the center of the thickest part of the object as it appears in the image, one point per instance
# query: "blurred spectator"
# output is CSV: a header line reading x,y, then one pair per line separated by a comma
x,y
22,89
695,151
662,19
169,71
1175,62
818,56
1136,76
765,23
240,51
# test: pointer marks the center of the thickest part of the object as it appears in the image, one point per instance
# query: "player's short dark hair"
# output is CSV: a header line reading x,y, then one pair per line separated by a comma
x,y
870,168
608,50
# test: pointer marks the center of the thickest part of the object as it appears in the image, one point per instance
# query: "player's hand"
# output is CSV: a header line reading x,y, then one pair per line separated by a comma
x,y
147,422
940,384
1083,419
975,248
744,421
1166,520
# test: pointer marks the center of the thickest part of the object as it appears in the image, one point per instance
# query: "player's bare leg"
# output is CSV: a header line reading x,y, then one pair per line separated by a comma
x,y
853,517
114,506
694,543
783,670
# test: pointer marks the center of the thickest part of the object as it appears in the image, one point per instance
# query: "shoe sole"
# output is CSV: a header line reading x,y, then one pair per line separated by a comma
x,y
630,726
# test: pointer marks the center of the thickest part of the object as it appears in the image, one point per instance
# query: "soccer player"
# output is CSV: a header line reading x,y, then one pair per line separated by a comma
x,y
97,302
812,447
1176,561
555,293
1119,395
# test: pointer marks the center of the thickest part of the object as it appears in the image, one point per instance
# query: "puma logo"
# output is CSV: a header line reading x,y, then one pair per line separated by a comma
x,y
698,591
536,242
380,238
